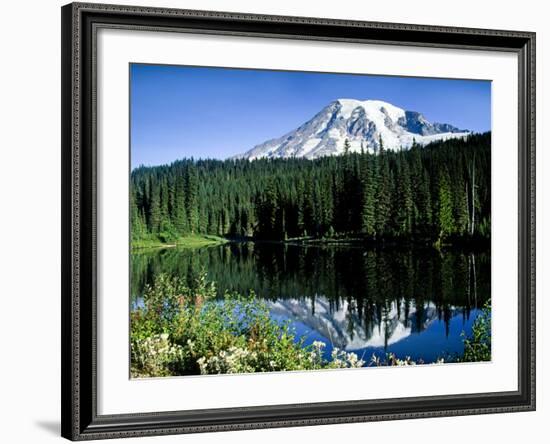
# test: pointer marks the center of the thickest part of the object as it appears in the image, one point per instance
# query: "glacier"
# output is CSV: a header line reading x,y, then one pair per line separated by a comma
x,y
363,123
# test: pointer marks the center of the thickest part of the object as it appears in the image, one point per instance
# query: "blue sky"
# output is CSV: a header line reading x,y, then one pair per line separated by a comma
x,y
179,111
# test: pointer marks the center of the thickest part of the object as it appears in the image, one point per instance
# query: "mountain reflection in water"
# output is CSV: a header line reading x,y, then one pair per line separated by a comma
x,y
421,330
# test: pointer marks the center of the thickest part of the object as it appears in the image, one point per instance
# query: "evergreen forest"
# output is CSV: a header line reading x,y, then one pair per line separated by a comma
x,y
436,193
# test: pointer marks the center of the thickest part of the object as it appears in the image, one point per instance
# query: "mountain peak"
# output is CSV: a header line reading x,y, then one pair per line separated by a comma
x,y
370,106
362,123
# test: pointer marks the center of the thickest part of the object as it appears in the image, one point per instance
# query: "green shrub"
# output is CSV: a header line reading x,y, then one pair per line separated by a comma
x,y
477,346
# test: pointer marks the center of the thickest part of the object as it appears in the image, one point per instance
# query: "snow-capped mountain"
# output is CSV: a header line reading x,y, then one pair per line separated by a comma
x,y
362,123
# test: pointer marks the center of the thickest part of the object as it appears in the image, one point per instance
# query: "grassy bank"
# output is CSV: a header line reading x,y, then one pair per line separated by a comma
x,y
189,241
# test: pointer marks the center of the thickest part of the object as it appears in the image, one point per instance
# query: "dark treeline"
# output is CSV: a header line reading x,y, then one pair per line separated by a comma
x,y
440,191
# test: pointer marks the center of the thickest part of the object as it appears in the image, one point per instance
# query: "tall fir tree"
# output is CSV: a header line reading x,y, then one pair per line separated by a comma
x,y
460,205
404,199
368,196
191,197
155,215
383,195
445,205
180,214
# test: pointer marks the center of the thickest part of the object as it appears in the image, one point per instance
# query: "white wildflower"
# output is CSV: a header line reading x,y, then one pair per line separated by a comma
x,y
319,345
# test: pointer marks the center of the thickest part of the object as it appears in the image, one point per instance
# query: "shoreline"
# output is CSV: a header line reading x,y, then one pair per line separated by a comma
x,y
190,241
208,240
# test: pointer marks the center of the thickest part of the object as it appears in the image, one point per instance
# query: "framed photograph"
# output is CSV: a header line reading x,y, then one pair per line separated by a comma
x,y
278,221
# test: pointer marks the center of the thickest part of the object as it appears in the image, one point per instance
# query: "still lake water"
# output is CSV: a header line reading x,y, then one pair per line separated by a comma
x,y
413,302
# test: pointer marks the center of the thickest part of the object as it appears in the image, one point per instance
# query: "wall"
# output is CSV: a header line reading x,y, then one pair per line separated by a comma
x,y
30,208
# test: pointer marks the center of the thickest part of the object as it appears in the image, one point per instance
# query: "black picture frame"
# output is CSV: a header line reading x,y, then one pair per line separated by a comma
x,y
80,22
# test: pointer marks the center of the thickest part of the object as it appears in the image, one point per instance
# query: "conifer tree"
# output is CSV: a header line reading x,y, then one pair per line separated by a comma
x,y
460,205
380,144
180,214
383,195
423,205
155,215
347,146
404,201
445,205
191,197
138,228
368,187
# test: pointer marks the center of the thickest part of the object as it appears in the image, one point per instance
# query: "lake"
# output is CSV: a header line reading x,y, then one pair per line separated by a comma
x,y
411,302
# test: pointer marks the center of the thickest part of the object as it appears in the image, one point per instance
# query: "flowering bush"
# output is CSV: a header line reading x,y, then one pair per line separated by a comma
x,y
393,361
342,359
180,330
234,360
240,360
155,356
